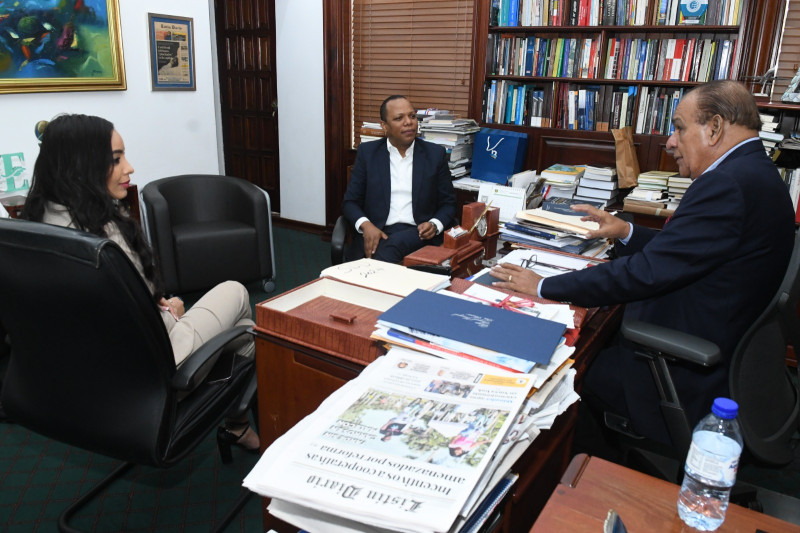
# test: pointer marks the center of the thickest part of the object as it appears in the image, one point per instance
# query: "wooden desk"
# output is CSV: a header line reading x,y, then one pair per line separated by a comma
x,y
294,379
592,486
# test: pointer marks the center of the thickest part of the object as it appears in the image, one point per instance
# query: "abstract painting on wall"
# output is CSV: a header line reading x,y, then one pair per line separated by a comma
x,y
60,45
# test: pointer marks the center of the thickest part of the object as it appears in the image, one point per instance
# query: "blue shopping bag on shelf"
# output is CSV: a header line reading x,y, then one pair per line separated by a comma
x,y
498,154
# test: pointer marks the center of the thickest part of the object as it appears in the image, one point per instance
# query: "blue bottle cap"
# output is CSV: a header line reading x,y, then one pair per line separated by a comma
x,y
725,408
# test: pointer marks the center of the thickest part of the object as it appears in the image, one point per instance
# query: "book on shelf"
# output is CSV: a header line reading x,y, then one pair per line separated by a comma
x,y
559,173
590,192
600,173
646,195
564,205
647,210
372,132
518,13
609,185
560,191
770,136
599,203
657,177
628,201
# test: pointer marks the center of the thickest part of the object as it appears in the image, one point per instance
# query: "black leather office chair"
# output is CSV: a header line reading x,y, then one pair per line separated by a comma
x,y
759,379
206,229
340,238
91,362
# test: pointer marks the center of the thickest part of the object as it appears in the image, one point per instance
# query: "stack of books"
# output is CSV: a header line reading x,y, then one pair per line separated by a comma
x,y
650,196
654,180
553,226
676,188
561,181
598,185
371,131
456,135
769,135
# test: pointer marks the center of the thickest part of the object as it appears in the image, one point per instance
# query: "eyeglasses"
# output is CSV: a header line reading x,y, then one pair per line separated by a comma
x,y
531,262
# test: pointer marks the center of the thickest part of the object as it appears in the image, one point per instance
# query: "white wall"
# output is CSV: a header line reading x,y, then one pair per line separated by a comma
x,y
165,132
301,105
177,132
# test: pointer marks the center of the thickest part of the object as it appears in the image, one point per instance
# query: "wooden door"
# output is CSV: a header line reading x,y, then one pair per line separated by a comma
x,y
248,92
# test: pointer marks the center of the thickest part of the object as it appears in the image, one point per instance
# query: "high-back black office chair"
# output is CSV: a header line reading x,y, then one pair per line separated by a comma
x,y
206,229
91,362
340,238
759,379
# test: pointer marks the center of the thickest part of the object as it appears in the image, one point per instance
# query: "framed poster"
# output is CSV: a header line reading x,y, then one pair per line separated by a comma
x,y
171,52
61,46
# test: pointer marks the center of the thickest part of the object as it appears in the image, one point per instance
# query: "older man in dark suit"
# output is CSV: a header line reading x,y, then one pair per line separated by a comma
x,y
400,196
710,272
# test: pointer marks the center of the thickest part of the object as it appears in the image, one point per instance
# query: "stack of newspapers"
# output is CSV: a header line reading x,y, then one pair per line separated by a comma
x,y
415,443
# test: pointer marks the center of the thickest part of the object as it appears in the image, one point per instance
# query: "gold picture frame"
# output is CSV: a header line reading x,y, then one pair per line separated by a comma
x,y
74,46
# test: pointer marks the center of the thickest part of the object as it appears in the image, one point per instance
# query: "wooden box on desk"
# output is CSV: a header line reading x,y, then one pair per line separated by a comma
x,y
329,316
429,255
468,259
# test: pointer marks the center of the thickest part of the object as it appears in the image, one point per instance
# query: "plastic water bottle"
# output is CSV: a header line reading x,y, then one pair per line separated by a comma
x,y
711,466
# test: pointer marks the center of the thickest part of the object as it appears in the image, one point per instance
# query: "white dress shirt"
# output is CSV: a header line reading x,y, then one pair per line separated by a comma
x,y
401,172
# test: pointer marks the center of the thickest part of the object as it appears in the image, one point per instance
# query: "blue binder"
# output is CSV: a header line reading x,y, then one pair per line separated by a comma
x,y
525,337
498,154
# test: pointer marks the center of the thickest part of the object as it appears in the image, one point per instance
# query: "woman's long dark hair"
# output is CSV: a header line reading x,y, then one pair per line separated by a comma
x,y
72,169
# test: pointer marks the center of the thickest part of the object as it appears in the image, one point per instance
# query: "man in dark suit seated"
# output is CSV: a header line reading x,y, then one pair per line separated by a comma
x,y
400,197
710,272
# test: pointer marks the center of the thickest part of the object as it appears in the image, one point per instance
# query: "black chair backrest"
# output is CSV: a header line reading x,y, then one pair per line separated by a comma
x,y
91,360
208,197
769,403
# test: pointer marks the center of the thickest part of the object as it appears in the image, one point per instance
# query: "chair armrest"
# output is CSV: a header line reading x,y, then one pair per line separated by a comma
x,y
184,378
671,342
338,240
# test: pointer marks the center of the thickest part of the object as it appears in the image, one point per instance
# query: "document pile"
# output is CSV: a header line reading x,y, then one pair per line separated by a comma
x,y
555,226
454,327
544,263
413,444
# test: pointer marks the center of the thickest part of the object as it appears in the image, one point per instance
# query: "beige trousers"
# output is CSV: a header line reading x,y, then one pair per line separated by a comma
x,y
225,306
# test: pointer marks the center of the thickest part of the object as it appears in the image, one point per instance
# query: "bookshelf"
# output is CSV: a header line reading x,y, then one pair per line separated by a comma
x,y
624,88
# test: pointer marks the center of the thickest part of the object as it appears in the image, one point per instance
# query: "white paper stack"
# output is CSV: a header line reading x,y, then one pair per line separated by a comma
x,y
409,445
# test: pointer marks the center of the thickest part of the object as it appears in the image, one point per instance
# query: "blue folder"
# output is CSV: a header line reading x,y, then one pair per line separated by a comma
x,y
507,332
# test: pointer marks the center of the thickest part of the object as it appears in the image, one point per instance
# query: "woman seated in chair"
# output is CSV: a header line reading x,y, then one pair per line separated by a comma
x,y
79,178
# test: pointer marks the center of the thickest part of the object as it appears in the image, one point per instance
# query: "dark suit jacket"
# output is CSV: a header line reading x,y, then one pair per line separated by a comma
x,y
710,272
369,192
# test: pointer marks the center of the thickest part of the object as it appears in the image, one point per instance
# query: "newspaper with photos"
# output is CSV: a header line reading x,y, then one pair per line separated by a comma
x,y
402,446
